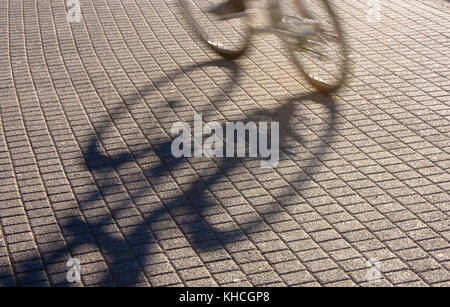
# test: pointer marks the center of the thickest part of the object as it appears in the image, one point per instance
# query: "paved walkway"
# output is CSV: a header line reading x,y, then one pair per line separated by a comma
x,y
86,170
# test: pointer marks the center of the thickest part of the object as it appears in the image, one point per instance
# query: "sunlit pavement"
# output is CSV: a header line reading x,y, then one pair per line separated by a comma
x,y
359,197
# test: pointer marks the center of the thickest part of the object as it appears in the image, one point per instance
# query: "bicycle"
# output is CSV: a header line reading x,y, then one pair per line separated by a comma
x,y
308,27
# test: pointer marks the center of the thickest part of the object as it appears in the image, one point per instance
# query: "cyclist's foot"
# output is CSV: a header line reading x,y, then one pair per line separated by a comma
x,y
228,10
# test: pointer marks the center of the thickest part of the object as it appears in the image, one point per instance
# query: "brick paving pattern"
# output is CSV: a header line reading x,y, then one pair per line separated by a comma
x,y
86,169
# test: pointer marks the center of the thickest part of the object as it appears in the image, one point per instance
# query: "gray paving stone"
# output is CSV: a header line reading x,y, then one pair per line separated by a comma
x,y
86,169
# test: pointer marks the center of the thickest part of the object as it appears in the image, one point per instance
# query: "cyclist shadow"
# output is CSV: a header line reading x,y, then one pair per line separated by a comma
x,y
128,251
192,204
195,201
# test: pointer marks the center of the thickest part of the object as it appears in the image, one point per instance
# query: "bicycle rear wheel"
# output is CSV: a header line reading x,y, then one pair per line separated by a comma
x,y
229,38
321,53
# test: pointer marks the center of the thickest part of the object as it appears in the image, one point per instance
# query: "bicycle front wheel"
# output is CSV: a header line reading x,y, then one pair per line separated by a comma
x,y
320,51
229,38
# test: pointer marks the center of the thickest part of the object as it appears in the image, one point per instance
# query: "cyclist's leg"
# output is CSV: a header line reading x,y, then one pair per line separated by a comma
x,y
238,4
303,10
229,9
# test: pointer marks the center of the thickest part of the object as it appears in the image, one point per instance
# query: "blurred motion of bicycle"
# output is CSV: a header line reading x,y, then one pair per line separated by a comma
x,y
310,28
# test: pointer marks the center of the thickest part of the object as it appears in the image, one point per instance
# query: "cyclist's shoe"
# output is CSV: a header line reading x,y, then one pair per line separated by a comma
x,y
228,10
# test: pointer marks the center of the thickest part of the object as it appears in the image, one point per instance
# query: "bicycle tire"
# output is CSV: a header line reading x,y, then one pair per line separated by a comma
x,y
311,75
228,38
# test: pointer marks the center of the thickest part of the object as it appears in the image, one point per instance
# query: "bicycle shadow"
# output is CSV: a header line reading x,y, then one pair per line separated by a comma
x,y
127,252
200,235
